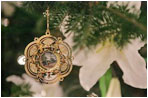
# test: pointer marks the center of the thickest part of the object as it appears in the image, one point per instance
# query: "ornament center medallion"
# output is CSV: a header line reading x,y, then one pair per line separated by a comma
x,y
48,59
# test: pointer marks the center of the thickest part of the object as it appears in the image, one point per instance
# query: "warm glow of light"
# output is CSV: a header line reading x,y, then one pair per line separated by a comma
x,y
21,60
5,22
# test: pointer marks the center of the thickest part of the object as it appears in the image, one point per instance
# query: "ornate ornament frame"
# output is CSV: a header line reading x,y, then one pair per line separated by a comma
x,y
45,44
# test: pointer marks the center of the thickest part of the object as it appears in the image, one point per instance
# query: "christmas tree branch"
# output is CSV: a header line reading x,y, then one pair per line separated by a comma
x,y
133,21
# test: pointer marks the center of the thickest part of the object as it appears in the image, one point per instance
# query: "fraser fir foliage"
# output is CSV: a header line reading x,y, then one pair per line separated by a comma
x,y
94,22
88,16
21,90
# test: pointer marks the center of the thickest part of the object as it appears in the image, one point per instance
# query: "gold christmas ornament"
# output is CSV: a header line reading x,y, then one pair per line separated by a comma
x,y
48,59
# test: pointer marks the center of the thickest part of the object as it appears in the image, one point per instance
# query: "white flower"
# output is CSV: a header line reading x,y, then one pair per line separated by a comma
x,y
40,90
114,89
97,61
8,8
15,79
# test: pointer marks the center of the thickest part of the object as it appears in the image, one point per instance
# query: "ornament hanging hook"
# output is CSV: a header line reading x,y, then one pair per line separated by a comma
x,y
46,14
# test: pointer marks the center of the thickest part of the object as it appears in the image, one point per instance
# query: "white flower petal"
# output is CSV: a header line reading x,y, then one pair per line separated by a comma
x,y
133,67
69,39
53,90
43,90
40,90
81,56
95,65
36,86
15,79
114,89
136,43
78,55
